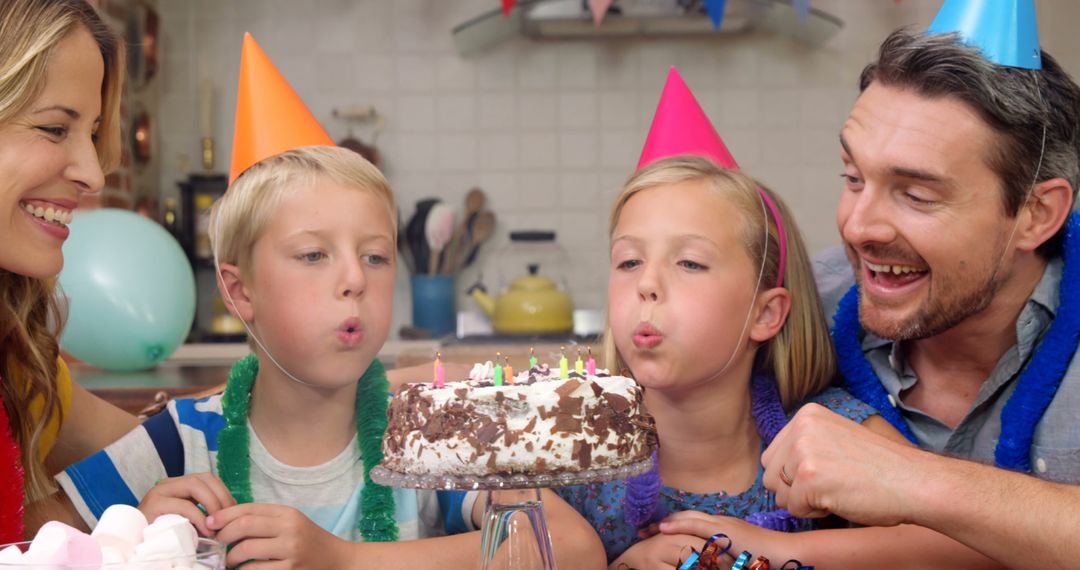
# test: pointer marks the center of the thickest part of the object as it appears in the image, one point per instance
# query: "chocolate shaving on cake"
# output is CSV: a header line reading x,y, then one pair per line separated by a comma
x,y
488,432
568,405
567,388
617,402
461,393
596,389
567,422
529,427
582,453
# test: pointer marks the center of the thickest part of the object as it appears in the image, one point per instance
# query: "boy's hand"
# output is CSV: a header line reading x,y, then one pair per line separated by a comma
x,y
275,534
658,552
182,495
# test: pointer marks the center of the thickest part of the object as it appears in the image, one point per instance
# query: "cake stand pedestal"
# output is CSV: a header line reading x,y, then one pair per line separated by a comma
x,y
506,497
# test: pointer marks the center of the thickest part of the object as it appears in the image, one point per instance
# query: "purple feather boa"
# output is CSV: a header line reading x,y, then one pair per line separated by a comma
x,y
641,507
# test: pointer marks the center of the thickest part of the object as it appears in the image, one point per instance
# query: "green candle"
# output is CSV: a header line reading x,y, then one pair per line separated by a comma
x,y
498,370
564,371
532,358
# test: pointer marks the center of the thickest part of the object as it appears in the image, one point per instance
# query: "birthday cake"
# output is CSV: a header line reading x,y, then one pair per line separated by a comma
x,y
539,421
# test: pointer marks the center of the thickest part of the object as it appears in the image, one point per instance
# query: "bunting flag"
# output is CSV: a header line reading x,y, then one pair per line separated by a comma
x,y
715,8
599,10
802,7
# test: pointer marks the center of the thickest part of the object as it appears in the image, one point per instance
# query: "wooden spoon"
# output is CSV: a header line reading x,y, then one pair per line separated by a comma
x,y
474,202
485,226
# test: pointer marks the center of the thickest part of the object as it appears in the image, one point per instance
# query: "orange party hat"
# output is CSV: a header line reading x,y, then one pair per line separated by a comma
x,y
680,126
270,117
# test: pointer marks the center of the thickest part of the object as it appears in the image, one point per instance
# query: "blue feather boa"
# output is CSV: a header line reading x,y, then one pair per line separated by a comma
x,y
1035,388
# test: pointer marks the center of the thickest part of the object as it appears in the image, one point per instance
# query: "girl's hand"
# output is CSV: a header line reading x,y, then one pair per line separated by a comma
x,y
774,545
183,495
659,552
275,536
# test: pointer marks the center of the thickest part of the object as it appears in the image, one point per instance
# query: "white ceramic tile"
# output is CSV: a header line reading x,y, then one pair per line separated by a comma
x,y
456,112
577,66
497,152
457,152
620,149
538,150
415,113
539,190
415,73
537,110
581,190
501,189
579,149
779,107
578,110
332,71
617,65
454,73
416,152
619,109
496,111
538,68
495,71
374,72
736,108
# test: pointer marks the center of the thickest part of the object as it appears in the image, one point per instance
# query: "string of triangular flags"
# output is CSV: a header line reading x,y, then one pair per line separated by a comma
x,y
715,9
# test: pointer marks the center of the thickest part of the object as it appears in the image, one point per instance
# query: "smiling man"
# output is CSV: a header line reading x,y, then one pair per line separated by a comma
x,y
955,307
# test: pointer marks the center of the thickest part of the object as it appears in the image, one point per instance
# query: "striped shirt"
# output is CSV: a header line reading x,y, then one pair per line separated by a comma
x,y
183,440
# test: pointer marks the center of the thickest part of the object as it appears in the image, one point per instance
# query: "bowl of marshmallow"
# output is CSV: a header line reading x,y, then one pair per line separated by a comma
x,y
122,539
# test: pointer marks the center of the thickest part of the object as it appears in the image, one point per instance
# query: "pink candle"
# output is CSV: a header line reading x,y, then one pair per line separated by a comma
x,y
440,372
590,364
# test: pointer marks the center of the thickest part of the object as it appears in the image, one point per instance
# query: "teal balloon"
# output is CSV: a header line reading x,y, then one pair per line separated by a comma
x,y
130,289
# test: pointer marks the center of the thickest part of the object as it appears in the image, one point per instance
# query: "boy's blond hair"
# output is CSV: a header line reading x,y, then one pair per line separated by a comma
x,y
240,216
801,355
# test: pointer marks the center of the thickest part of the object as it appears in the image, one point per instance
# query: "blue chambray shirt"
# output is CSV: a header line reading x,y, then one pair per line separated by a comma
x,y
1055,452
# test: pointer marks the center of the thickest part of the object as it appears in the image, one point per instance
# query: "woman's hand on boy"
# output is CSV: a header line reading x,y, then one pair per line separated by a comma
x,y
265,532
658,552
184,496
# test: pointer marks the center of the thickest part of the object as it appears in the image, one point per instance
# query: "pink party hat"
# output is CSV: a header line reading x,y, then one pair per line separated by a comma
x,y
681,127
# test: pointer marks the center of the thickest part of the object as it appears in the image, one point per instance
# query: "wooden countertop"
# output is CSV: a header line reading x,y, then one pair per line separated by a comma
x,y
194,369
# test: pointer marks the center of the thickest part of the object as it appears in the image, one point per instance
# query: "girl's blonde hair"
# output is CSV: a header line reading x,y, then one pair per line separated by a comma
x,y
30,319
239,218
801,355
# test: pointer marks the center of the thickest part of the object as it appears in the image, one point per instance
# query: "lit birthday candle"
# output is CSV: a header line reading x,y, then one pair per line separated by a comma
x,y
498,370
579,366
532,358
564,371
440,372
508,372
590,364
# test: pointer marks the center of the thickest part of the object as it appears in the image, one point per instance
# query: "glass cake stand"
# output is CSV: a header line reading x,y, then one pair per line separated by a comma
x,y
506,496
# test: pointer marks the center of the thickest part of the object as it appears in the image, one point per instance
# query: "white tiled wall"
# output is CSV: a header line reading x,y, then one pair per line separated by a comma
x,y
548,129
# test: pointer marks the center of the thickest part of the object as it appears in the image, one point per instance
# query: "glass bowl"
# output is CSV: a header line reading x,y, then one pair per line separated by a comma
x,y
209,555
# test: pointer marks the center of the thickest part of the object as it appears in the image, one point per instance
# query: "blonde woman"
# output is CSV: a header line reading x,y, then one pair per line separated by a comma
x,y
60,76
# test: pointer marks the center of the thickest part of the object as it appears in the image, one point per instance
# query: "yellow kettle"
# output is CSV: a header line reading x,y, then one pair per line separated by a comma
x,y
532,305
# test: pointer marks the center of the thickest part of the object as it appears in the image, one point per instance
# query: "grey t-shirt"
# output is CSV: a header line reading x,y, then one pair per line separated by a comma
x,y
1055,452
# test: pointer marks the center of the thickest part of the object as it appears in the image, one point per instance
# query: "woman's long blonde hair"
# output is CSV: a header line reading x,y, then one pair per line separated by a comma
x,y
30,320
801,355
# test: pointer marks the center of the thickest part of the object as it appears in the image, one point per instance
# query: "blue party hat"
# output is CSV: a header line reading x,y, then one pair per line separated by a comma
x,y
1005,30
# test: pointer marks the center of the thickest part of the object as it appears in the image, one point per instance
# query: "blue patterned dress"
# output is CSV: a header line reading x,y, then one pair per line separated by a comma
x,y
601,503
